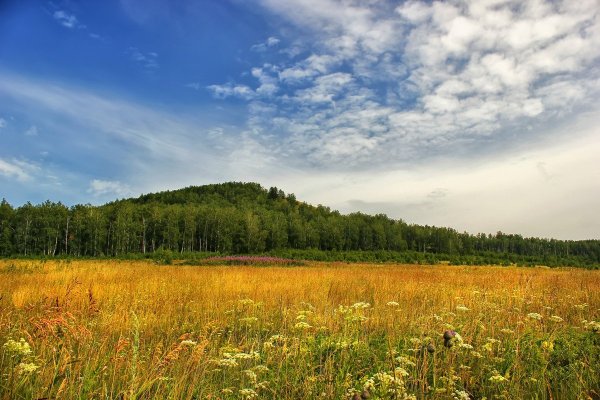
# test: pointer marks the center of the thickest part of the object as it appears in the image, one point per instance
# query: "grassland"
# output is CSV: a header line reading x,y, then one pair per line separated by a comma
x,y
137,330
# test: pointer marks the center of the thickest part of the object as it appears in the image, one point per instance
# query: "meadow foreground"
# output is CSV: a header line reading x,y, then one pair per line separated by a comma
x,y
136,330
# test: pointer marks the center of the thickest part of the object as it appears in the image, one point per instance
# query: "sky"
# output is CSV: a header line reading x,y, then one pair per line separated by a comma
x,y
479,115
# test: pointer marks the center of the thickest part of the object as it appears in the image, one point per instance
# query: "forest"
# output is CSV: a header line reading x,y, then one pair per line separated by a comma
x,y
245,218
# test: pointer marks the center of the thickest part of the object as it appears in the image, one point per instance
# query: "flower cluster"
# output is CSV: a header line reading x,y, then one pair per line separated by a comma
x,y
20,348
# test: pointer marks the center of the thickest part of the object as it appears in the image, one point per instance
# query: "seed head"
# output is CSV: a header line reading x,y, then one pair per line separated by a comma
x,y
449,334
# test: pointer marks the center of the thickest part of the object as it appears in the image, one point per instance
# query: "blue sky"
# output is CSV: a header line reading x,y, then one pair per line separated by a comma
x,y
480,115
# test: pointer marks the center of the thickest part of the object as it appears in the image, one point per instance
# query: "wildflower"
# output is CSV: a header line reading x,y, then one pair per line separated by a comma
x,y
248,393
260,368
251,375
262,385
369,384
360,305
247,356
462,309
227,362
20,348
400,372
556,318
302,325
535,316
450,337
489,346
548,345
405,361
277,338
592,326
581,307
392,304
248,320
227,391
461,395
507,331
358,318
27,368
189,343
497,378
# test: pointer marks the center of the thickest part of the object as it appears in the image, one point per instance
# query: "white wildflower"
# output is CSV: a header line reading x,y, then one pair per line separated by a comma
x,y
360,305
20,348
27,368
248,393
302,325
461,395
535,316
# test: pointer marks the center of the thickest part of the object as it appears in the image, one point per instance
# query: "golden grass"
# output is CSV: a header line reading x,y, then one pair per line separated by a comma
x,y
132,329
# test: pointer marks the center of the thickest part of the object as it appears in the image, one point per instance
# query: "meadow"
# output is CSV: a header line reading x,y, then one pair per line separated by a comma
x,y
139,330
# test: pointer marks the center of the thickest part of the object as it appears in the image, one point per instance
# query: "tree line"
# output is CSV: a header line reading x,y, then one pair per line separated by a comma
x,y
245,218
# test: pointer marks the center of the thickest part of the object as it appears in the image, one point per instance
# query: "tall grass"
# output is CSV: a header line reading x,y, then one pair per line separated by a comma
x,y
135,330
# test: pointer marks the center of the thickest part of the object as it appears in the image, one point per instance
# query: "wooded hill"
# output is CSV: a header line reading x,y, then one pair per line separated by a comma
x,y
245,218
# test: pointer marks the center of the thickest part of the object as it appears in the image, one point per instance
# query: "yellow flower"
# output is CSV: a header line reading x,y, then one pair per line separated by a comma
x,y
548,345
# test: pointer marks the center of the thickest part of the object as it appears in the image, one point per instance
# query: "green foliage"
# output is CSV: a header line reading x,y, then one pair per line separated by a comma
x,y
245,218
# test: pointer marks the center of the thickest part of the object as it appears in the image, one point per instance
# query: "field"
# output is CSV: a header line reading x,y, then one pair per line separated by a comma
x,y
137,330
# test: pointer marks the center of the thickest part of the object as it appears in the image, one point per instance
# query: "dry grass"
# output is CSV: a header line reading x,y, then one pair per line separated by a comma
x,y
122,329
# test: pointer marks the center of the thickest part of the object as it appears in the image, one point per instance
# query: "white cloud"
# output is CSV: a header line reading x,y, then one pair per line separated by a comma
x,y
272,41
549,190
67,20
100,187
148,60
231,90
147,147
439,76
19,169
193,85
31,131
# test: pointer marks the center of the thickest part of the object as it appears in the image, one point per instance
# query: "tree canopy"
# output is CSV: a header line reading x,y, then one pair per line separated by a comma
x,y
245,218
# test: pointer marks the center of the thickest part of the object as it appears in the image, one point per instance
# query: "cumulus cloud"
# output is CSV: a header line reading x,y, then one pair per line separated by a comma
x,y
100,187
384,82
232,90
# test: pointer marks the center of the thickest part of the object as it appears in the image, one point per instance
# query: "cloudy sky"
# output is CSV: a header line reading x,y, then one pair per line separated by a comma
x,y
479,115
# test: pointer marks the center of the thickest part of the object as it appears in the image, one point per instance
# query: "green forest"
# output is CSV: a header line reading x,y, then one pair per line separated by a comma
x,y
245,218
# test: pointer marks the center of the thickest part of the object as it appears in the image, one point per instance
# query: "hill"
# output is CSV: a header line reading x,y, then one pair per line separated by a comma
x,y
245,218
